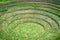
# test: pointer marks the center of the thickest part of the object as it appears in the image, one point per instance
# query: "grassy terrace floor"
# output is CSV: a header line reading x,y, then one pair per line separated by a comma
x,y
29,21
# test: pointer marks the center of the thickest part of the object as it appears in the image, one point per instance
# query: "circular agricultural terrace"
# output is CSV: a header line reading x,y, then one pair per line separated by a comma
x,y
29,21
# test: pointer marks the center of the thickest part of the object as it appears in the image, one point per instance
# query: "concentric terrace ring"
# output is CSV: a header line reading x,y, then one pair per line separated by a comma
x,y
34,21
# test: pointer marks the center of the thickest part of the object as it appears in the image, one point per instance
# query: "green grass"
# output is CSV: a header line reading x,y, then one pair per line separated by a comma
x,y
29,24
